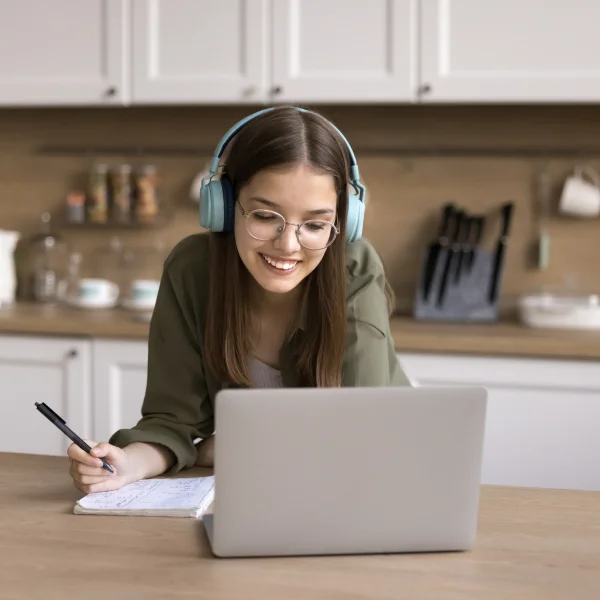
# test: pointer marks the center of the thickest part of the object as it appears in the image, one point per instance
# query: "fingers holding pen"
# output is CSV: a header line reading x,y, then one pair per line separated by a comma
x,y
77,455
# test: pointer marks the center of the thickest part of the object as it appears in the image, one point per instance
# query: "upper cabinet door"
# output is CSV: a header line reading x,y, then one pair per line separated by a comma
x,y
510,51
199,51
62,52
340,51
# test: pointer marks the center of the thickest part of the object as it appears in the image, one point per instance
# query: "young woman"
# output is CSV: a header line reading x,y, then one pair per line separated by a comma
x,y
282,291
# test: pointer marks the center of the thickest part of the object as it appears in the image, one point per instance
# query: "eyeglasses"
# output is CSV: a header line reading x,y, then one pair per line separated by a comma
x,y
268,225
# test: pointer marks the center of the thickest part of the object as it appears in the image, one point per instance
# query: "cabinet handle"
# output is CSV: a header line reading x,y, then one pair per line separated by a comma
x,y
276,89
425,89
111,91
72,353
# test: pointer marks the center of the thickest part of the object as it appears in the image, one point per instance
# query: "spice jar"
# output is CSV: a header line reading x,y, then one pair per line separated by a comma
x,y
121,193
99,192
146,206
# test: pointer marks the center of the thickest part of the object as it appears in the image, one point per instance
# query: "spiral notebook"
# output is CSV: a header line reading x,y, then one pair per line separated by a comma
x,y
178,497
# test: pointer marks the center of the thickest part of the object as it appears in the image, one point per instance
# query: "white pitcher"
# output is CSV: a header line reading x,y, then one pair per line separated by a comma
x,y
8,272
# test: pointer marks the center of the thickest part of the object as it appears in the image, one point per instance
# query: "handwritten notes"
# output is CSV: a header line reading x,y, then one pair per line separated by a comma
x,y
180,497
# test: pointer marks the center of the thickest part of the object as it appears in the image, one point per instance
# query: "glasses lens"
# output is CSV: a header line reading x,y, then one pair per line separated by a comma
x,y
316,235
264,224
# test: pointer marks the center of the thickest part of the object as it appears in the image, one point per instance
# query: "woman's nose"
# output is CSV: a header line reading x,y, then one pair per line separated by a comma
x,y
288,242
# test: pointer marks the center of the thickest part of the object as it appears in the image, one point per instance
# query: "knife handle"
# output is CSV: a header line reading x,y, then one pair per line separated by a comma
x,y
478,230
447,213
507,210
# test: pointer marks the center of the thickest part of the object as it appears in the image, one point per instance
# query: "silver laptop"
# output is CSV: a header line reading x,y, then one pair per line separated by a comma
x,y
346,470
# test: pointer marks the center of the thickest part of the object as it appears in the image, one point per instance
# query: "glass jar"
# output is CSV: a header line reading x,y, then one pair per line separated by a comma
x,y
98,194
146,189
121,193
49,256
69,286
108,263
142,271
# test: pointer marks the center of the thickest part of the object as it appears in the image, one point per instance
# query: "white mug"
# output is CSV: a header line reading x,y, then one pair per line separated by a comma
x,y
581,198
98,290
144,292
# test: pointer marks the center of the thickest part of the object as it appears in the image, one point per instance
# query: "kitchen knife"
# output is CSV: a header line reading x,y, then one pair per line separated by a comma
x,y
463,243
476,235
451,249
436,247
507,210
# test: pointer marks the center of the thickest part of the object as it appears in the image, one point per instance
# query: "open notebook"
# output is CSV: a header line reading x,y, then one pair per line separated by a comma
x,y
181,497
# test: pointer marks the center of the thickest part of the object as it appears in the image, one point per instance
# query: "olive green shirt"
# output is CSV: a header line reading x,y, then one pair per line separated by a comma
x,y
178,406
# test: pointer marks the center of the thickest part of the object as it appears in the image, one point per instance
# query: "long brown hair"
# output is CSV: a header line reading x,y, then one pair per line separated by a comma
x,y
281,137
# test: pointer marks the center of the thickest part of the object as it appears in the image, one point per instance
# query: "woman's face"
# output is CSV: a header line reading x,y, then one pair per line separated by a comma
x,y
297,194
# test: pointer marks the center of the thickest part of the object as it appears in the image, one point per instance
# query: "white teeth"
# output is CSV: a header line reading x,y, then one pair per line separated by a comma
x,y
278,264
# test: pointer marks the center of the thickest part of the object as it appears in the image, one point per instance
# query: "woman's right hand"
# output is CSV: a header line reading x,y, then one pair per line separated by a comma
x,y
90,476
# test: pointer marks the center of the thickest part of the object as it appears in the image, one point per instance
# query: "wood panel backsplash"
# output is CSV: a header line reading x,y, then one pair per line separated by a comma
x,y
412,159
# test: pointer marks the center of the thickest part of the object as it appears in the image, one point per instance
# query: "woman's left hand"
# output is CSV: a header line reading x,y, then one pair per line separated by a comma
x,y
206,452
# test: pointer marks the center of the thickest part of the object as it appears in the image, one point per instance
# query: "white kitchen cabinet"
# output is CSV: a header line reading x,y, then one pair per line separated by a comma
x,y
340,51
119,368
510,51
63,52
192,51
51,370
542,421
145,52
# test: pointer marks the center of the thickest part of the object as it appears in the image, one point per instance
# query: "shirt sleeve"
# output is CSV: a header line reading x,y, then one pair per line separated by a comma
x,y
176,409
370,359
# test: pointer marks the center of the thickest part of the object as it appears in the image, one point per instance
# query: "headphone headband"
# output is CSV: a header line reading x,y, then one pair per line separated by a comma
x,y
214,164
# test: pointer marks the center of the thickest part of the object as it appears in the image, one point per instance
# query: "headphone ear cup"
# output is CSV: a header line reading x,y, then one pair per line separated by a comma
x,y
228,203
217,205
354,221
211,206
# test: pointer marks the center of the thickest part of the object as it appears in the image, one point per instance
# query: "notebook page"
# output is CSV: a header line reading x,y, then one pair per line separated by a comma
x,y
153,494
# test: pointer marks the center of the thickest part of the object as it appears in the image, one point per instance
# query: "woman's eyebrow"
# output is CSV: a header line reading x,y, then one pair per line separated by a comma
x,y
274,205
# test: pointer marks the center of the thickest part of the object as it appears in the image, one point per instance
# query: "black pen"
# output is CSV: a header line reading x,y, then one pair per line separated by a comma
x,y
61,424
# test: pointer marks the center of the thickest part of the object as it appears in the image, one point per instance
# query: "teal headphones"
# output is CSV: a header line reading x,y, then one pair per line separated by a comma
x,y
217,202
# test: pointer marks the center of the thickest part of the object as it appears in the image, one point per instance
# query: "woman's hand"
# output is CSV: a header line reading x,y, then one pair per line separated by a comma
x,y
206,452
88,473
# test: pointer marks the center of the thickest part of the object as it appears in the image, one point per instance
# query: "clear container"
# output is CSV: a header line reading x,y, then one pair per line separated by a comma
x,y
142,271
49,256
146,192
121,193
69,286
98,194
108,261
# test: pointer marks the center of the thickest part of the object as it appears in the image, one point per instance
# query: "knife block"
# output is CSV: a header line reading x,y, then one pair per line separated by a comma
x,y
465,300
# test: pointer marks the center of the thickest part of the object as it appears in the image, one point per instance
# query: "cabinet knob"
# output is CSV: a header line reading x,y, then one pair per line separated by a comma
x,y
425,89
72,353
276,89
111,91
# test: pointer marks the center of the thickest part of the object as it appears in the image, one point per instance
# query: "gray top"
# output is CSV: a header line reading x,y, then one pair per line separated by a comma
x,y
264,376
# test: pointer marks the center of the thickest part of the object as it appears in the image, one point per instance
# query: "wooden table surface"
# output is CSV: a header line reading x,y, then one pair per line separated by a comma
x,y
531,545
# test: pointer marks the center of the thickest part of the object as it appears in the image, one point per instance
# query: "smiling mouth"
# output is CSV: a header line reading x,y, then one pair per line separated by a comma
x,y
280,265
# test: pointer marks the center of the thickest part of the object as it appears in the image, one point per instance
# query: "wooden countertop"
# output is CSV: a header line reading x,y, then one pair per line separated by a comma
x,y
531,544
507,338
47,319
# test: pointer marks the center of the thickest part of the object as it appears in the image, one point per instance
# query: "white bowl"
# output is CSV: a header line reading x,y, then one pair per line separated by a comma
x,y
560,312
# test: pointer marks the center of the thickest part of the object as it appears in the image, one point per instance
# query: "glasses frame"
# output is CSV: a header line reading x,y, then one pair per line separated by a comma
x,y
246,215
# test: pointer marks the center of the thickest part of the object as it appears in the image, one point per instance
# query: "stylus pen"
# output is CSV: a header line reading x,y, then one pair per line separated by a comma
x,y
61,424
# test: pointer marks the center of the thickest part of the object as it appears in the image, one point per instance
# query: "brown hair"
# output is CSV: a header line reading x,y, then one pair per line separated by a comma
x,y
281,137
